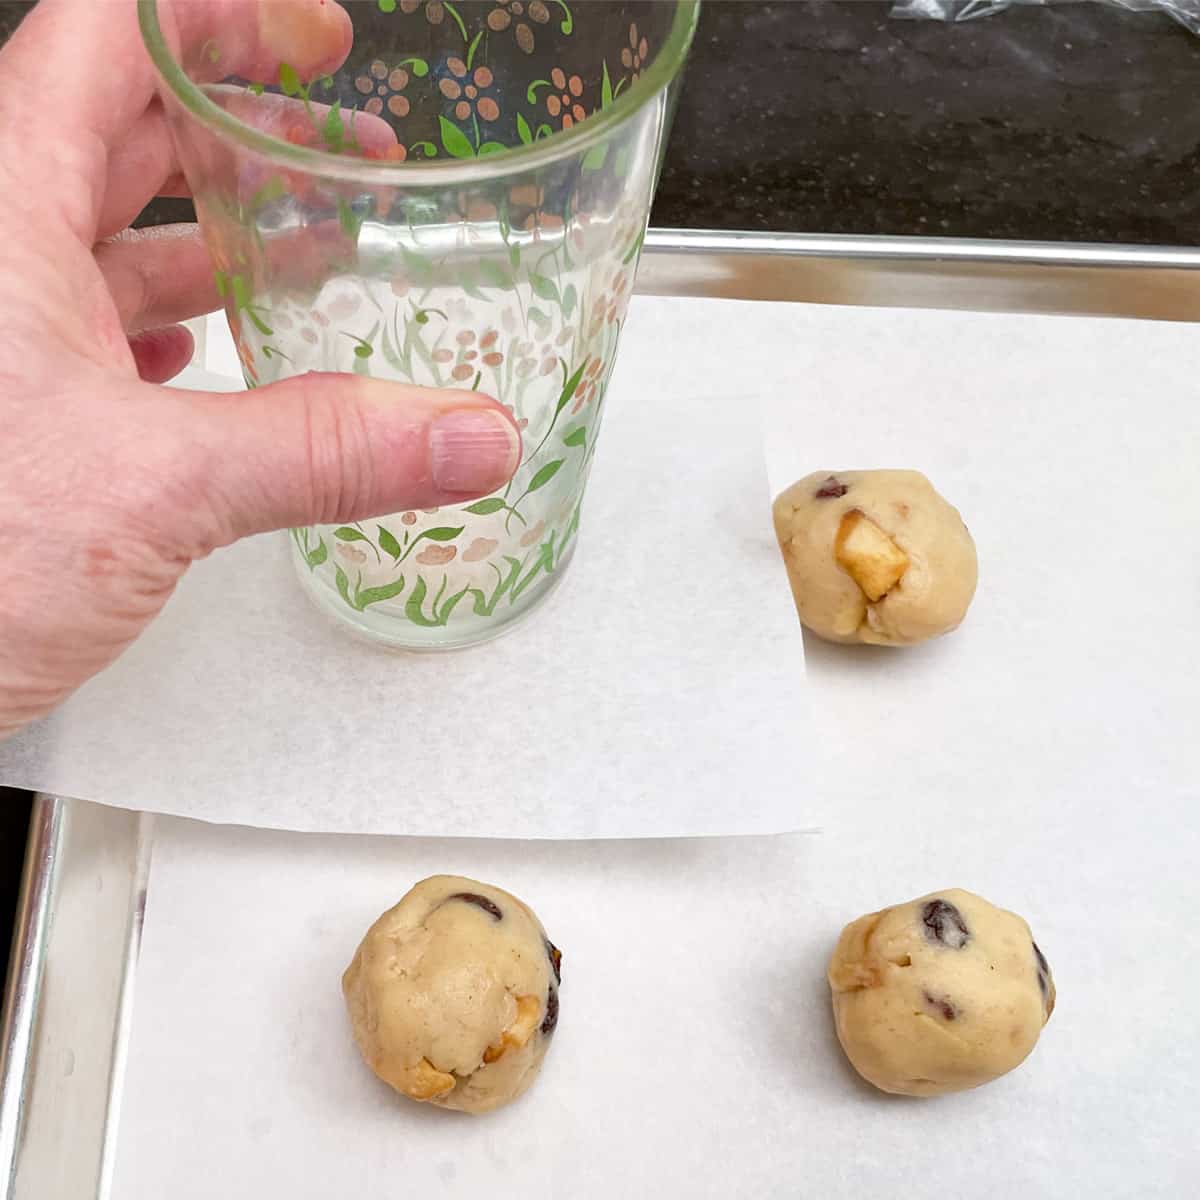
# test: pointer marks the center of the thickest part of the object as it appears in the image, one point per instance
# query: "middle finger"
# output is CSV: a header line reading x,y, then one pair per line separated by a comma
x,y
141,165
158,276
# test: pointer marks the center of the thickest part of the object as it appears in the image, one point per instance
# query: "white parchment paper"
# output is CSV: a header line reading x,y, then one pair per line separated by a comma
x,y
648,697
1072,449
695,1056
1044,756
1070,445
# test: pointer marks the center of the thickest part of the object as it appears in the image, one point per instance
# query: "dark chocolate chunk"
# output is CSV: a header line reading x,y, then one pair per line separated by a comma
x,y
1043,971
554,954
551,1020
943,1006
944,924
831,489
493,910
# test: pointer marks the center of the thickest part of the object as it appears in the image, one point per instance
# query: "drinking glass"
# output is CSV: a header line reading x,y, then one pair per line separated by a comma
x,y
460,203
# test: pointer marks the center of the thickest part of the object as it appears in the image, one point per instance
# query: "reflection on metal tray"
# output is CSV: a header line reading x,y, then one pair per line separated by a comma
x,y
1159,283
68,1002
74,952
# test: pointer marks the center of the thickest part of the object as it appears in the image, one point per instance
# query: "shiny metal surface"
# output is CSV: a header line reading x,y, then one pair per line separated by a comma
x,y
68,1010
68,1000
1160,283
25,974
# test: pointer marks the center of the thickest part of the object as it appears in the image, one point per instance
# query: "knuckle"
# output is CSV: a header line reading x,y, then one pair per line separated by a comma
x,y
127,279
336,453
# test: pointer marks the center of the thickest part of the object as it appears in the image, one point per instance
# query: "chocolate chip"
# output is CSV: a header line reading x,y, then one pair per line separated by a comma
x,y
943,1006
493,910
554,954
831,489
944,924
1043,971
551,1020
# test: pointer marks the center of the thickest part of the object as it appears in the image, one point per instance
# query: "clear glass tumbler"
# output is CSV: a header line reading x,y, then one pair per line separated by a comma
x,y
460,203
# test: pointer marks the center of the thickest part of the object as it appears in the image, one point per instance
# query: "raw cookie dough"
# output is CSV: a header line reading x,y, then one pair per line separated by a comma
x,y
453,995
875,556
938,995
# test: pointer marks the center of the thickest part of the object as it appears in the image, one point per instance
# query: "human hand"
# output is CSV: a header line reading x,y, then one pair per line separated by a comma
x,y
110,485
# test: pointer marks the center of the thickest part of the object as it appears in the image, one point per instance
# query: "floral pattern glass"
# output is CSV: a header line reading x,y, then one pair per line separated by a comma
x,y
439,261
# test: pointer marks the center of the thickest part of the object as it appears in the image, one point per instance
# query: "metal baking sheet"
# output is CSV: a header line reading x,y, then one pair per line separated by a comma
x,y
68,1012
1157,283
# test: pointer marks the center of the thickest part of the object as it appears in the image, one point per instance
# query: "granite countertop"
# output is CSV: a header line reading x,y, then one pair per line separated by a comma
x,y
1065,124
1060,124
1070,123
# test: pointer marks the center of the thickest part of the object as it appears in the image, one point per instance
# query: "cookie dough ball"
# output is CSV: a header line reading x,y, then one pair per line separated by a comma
x,y
938,995
875,556
453,995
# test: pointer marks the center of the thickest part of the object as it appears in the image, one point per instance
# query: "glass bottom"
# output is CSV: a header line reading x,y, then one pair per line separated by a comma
x,y
393,631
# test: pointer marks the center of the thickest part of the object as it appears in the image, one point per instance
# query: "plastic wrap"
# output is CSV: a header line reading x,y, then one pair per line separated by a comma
x,y
1186,12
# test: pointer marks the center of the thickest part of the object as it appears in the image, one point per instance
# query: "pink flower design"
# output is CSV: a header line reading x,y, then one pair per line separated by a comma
x,y
533,534
633,56
474,351
479,549
342,307
384,86
589,385
526,205
507,14
533,358
435,10
436,556
611,304
466,87
563,100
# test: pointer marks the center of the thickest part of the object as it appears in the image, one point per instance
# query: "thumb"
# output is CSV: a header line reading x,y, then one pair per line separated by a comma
x,y
324,448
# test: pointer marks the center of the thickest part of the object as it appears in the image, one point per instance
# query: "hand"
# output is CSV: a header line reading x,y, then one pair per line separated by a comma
x,y
110,486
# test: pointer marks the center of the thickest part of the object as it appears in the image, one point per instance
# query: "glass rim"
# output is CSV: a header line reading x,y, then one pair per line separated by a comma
x,y
661,73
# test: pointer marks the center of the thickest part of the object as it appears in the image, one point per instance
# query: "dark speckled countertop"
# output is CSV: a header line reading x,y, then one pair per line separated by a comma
x,y
1073,124
1070,124
1064,124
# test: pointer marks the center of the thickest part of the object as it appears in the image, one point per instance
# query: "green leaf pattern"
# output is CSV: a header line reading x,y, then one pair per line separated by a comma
x,y
560,283
504,547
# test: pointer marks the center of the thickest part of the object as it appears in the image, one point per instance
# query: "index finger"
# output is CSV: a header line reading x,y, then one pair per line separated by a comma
x,y
104,87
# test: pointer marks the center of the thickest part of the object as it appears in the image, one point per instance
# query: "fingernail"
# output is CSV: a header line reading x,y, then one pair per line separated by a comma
x,y
472,450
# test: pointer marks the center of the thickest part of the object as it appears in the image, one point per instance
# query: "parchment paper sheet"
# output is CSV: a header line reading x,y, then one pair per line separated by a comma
x,y
670,650
1043,756
695,1056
